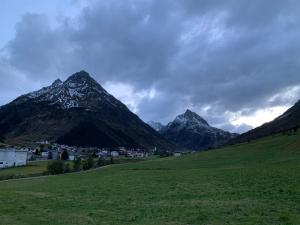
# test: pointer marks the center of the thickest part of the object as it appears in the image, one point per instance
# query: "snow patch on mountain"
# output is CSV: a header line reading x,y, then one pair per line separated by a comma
x,y
79,90
155,125
191,119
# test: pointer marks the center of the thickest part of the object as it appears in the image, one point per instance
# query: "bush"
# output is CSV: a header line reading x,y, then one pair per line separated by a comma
x,y
88,163
163,153
100,162
67,168
55,167
77,164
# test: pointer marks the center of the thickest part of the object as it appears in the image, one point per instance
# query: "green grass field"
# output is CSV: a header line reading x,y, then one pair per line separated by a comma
x,y
257,183
37,167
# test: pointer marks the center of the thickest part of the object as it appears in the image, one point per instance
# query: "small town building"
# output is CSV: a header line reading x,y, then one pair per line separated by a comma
x,y
103,153
114,154
72,156
11,157
45,154
177,154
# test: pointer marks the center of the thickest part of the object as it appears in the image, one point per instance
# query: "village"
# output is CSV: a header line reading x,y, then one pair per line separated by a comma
x,y
46,151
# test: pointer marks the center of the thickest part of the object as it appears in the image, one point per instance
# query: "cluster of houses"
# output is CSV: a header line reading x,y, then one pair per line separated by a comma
x,y
10,157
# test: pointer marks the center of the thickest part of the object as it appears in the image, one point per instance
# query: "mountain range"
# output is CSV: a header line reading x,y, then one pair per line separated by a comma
x,y
191,131
78,112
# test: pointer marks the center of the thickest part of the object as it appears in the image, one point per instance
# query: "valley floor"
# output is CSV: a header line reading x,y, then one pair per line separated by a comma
x,y
252,183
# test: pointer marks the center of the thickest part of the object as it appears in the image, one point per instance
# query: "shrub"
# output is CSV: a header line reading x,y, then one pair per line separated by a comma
x,y
100,162
88,163
67,168
77,164
55,167
163,153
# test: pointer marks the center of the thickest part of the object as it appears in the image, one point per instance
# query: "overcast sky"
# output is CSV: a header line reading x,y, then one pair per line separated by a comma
x,y
235,62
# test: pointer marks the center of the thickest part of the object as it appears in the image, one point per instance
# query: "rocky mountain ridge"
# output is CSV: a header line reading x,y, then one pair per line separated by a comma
x,y
191,131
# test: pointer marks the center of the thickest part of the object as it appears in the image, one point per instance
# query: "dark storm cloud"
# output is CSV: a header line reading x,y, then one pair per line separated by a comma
x,y
228,56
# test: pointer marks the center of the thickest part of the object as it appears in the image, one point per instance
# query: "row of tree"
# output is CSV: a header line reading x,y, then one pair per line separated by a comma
x,y
62,166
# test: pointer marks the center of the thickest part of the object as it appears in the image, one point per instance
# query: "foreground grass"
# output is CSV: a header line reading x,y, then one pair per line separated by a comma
x,y
254,183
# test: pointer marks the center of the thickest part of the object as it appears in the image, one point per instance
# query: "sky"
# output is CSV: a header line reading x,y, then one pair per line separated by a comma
x,y
235,62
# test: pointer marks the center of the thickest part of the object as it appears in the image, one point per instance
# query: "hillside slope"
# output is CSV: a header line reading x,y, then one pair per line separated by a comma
x,y
246,184
289,120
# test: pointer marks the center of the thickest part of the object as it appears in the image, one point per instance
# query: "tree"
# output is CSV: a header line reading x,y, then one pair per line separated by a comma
x,y
295,129
88,163
2,138
55,167
37,152
65,155
100,162
42,147
94,155
112,160
77,164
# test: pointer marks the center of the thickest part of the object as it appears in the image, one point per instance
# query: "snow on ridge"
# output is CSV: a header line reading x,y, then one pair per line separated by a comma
x,y
72,93
190,121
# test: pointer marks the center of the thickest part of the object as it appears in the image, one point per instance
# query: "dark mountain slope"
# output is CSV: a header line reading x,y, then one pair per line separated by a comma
x,y
289,120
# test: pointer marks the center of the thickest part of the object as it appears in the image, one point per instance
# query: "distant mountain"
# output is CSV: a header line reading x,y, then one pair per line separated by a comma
x,y
289,120
191,131
75,112
155,125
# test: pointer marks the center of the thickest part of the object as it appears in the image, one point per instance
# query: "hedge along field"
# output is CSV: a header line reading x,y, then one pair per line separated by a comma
x,y
252,183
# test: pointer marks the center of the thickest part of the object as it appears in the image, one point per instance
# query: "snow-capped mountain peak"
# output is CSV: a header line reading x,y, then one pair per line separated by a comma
x,y
191,118
191,131
79,90
56,83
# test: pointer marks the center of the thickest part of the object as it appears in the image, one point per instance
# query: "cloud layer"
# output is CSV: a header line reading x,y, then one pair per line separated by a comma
x,y
222,59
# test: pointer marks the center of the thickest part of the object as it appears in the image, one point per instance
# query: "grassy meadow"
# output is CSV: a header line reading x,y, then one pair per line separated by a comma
x,y
255,183
32,168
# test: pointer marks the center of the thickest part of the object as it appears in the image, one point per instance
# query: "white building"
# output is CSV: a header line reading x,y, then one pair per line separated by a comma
x,y
45,154
12,157
114,154
177,154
